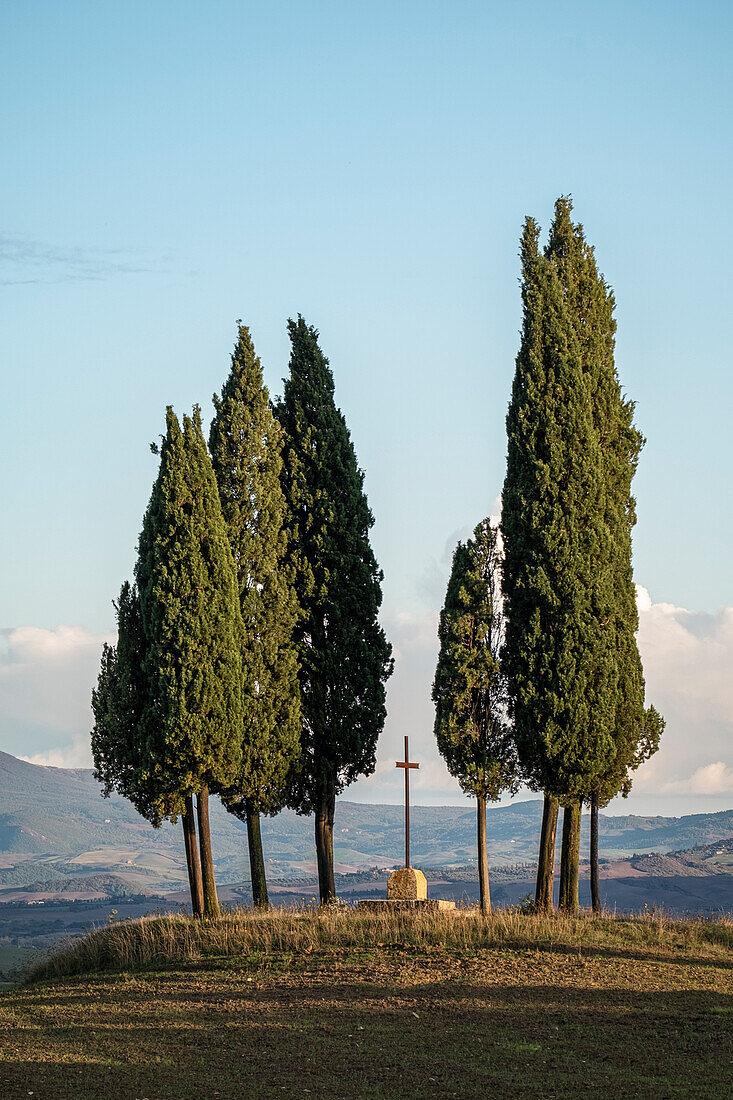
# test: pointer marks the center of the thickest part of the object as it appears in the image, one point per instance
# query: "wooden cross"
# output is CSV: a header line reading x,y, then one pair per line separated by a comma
x,y
407,765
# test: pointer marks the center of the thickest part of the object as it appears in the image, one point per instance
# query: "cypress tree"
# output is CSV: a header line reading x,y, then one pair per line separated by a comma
x,y
591,306
556,577
469,690
192,623
345,658
246,442
118,745
118,703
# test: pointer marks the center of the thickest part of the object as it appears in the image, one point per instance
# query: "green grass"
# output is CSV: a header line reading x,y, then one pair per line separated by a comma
x,y
339,1004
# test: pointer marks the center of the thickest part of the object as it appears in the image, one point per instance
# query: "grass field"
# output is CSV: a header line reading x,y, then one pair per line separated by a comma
x,y
345,1005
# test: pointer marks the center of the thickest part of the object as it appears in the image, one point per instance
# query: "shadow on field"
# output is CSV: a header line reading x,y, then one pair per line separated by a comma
x,y
352,1039
424,955
650,955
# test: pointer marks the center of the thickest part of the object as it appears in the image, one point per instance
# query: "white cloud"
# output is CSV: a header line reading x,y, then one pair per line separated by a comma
x,y
414,638
715,779
436,571
77,754
688,657
46,681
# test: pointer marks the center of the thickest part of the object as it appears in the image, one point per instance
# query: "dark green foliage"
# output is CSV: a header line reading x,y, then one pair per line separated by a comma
x,y
246,444
118,703
632,751
610,738
469,690
556,576
591,305
190,613
344,655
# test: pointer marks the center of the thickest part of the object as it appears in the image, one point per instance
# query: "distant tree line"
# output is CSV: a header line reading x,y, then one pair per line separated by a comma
x,y
249,661
539,677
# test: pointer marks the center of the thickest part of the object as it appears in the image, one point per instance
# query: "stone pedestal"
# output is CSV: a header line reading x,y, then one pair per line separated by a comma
x,y
407,889
407,884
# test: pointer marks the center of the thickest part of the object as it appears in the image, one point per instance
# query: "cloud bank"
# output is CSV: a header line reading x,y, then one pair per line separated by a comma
x,y
688,658
46,679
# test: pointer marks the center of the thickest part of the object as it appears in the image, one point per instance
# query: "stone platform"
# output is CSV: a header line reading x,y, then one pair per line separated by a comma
x,y
407,889
397,905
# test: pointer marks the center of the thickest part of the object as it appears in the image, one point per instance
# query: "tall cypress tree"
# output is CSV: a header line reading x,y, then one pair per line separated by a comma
x,y
119,748
192,623
469,689
246,442
344,656
591,306
556,579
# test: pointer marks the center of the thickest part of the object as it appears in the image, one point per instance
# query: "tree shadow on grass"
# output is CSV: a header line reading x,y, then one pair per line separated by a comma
x,y
635,954
98,989
448,1038
164,974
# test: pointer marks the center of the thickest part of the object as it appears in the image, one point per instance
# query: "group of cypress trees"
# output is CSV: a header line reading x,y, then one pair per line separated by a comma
x,y
249,661
565,681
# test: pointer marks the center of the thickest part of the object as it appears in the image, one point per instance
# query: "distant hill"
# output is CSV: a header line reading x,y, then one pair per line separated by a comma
x,y
55,822
706,859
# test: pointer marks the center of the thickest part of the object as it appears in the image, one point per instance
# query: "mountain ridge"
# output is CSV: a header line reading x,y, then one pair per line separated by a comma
x,y
58,813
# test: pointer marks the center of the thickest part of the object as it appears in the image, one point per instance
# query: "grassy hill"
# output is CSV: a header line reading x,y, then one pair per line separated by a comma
x,y
341,1004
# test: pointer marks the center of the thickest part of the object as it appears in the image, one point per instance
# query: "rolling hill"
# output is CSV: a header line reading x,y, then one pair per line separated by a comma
x,y
55,820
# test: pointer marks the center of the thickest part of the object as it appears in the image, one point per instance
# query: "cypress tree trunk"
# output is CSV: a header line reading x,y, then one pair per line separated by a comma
x,y
211,901
324,847
260,899
570,858
192,859
595,882
483,861
546,862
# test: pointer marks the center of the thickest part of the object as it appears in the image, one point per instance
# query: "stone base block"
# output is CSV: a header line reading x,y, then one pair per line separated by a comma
x,y
398,905
407,884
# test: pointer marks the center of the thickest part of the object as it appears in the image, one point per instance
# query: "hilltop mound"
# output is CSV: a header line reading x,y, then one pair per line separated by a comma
x,y
316,1008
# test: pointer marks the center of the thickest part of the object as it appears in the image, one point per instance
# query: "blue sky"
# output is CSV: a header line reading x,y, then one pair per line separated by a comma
x,y
171,167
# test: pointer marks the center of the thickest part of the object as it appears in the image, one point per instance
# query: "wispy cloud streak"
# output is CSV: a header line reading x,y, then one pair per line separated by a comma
x,y
25,261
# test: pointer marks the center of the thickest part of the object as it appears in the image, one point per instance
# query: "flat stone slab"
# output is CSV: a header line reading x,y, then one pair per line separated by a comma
x,y
391,905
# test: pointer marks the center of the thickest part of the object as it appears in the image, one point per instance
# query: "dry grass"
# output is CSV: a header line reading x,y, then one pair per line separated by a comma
x,y
159,941
335,1005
